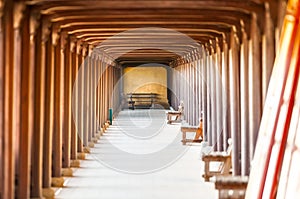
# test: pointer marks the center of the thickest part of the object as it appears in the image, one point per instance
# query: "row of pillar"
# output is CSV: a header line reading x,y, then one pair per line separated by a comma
x,y
46,122
229,87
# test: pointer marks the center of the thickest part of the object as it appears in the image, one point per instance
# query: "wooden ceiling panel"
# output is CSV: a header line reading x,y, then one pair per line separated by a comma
x,y
94,22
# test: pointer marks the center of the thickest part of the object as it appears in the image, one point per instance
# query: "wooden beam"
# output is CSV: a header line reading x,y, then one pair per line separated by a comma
x,y
54,6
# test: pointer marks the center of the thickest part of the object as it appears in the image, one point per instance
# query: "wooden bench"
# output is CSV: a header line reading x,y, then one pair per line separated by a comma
x,y
177,114
225,162
172,114
233,187
192,129
141,100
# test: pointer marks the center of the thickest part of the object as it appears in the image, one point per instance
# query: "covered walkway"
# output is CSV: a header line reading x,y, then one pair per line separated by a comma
x,y
175,175
69,67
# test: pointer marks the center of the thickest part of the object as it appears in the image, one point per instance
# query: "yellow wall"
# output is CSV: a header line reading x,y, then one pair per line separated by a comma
x,y
145,80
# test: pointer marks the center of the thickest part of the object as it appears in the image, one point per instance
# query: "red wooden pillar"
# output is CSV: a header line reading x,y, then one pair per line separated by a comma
x,y
255,91
85,99
74,116
225,90
8,109
244,92
39,100
208,93
1,98
49,102
24,85
93,96
58,106
212,94
79,101
218,74
234,101
268,50
204,95
66,53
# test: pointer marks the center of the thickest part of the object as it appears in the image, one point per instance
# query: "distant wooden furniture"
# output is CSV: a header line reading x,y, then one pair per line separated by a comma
x,y
233,187
223,157
192,129
172,114
177,114
141,100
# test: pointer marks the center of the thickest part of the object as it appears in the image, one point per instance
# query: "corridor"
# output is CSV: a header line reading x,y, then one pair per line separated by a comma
x,y
85,86
111,174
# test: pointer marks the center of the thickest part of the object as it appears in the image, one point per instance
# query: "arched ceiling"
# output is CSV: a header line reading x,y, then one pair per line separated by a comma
x,y
205,21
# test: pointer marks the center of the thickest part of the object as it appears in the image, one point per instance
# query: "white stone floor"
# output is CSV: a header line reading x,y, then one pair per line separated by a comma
x,y
140,157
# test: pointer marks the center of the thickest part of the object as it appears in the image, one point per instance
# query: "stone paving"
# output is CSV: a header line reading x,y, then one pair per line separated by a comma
x,y
140,157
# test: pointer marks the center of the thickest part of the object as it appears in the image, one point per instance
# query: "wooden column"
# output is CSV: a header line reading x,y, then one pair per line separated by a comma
x,y
234,101
49,102
98,83
66,53
106,92
74,70
101,99
91,92
225,92
58,105
212,65
90,102
1,97
208,102
282,6
196,106
198,89
24,84
85,95
8,168
245,160
255,92
39,108
268,51
219,114
79,103
204,93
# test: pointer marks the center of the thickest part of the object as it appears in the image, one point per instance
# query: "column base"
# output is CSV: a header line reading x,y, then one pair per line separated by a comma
x,y
57,182
67,172
91,144
98,135
95,139
81,156
102,131
42,197
48,193
86,149
75,163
